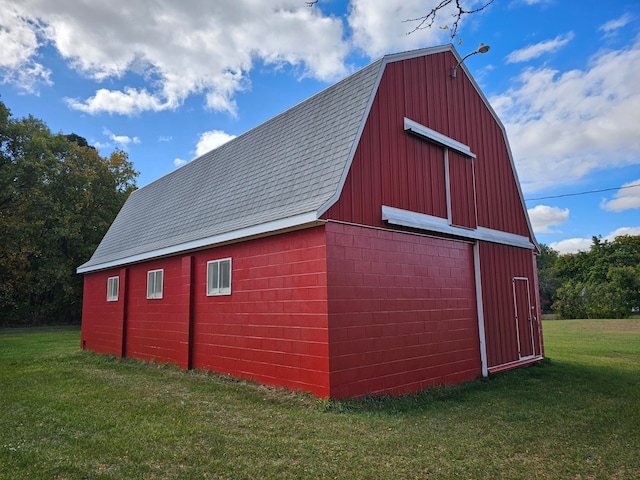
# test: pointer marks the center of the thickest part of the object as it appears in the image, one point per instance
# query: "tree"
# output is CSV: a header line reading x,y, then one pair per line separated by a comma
x,y
77,139
429,19
57,199
548,280
601,283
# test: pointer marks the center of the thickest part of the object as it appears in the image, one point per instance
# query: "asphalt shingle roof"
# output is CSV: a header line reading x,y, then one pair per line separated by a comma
x,y
290,165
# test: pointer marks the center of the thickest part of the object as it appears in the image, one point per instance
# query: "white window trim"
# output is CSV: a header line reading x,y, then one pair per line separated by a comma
x,y
219,291
155,295
110,281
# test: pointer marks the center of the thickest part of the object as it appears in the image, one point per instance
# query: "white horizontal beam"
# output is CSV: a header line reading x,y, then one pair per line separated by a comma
x,y
439,138
407,218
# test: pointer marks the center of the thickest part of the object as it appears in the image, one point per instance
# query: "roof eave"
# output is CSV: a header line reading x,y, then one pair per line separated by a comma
x,y
297,222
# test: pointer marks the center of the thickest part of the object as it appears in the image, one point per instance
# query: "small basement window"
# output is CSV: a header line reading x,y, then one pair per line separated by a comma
x,y
154,283
113,284
219,277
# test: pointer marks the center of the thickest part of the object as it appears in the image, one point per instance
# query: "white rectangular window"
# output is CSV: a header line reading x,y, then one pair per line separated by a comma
x,y
154,283
113,284
219,277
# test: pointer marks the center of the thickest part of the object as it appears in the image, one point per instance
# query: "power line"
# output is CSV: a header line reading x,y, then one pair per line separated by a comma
x,y
582,193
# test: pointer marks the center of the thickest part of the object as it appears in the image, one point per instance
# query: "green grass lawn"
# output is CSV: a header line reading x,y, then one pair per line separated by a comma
x,y
70,414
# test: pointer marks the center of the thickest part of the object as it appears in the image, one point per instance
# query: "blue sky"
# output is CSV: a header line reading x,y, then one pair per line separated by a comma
x,y
167,81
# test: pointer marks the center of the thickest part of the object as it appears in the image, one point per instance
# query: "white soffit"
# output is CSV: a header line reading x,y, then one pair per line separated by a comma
x,y
407,218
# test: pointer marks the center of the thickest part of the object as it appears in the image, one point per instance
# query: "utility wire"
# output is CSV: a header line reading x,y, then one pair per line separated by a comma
x,y
582,193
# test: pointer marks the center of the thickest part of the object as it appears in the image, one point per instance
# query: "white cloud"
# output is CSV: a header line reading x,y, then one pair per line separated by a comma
x,y
101,146
177,49
564,126
574,245
544,217
210,140
626,198
128,102
207,142
178,162
623,231
615,24
534,51
379,26
19,40
122,140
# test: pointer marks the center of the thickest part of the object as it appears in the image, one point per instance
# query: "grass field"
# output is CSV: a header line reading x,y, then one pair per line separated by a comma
x,y
69,414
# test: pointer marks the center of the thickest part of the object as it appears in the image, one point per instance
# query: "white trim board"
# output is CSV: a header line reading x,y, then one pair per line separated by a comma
x,y
480,310
437,137
407,218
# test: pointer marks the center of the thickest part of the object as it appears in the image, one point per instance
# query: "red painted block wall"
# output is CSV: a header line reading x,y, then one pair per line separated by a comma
x,y
273,327
157,329
402,311
102,321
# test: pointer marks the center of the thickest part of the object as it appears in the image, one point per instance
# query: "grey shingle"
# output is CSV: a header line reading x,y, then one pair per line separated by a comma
x,y
287,166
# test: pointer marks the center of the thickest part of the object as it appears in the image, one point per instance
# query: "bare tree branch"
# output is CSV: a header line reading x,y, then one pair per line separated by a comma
x,y
428,20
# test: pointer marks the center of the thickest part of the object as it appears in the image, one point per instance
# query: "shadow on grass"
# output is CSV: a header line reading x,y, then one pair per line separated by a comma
x,y
546,384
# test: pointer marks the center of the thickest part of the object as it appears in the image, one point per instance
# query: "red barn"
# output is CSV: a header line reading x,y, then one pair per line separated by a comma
x,y
371,239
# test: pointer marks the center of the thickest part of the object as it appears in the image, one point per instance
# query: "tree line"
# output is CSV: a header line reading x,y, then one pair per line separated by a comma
x,y
58,196
603,282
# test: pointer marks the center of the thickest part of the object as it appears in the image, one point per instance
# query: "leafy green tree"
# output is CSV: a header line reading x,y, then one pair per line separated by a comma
x,y
548,280
601,283
571,300
58,197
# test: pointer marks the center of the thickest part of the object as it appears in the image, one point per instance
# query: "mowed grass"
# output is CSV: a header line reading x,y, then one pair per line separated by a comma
x,y
71,414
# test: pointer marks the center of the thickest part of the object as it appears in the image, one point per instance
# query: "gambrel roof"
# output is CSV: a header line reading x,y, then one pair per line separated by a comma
x,y
285,168
284,173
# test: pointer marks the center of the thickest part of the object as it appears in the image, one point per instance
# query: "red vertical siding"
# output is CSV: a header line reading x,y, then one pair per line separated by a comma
x,y
463,202
524,320
391,167
536,303
402,311
499,265
102,321
273,327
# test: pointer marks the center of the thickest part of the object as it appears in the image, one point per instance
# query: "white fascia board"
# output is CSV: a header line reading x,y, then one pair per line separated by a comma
x,y
303,220
407,218
437,137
